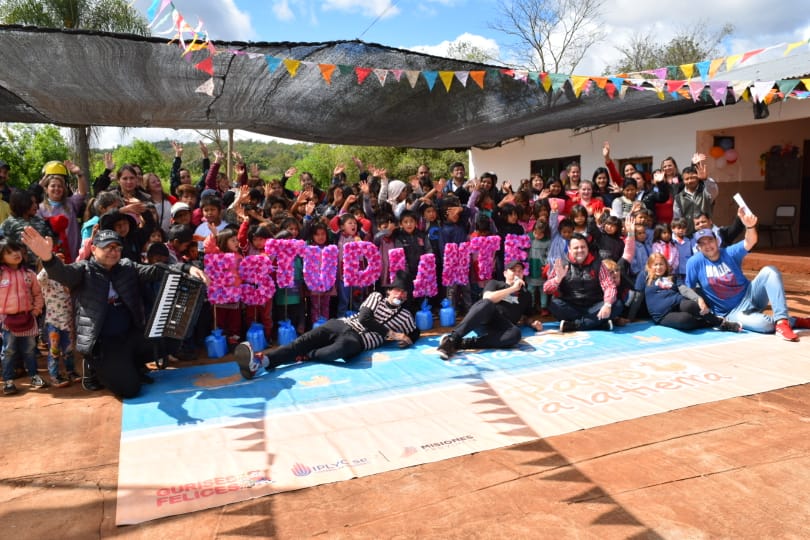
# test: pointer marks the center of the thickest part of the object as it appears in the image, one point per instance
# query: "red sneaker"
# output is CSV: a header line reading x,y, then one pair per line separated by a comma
x,y
802,322
784,331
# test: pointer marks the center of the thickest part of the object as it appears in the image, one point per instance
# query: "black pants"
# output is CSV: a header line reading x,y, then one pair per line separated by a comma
x,y
494,330
119,361
686,316
332,340
586,317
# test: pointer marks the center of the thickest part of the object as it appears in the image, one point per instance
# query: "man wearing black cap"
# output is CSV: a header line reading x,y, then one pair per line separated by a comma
x,y
380,319
110,316
495,317
716,274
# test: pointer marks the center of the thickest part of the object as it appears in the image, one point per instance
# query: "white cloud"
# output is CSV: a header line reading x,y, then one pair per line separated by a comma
x,y
440,49
369,8
112,137
282,11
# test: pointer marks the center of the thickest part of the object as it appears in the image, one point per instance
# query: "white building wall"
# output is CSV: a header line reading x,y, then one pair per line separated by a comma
x,y
675,136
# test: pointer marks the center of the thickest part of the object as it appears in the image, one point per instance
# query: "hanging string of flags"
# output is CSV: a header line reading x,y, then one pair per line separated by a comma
x,y
677,82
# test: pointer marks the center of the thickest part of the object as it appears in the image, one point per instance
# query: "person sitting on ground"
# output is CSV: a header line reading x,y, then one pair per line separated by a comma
x,y
380,319
494,318
584,289
672,304
718,273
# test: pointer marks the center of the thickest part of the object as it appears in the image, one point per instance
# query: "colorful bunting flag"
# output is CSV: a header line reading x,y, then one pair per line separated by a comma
x,y
413,77
206,65
326,72
478,77
362,73
447,79
292,66
430,77
206,88
381,75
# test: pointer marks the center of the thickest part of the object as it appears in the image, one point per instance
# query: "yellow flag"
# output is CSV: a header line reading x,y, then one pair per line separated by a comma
x,y
447,78
732,60
577,82
688,70
714,66
292,66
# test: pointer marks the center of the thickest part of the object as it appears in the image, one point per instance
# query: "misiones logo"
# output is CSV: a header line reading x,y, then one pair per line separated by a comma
x,y
444,444
301,469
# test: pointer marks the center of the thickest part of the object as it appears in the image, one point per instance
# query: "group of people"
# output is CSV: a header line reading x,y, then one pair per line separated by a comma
x,y
602,252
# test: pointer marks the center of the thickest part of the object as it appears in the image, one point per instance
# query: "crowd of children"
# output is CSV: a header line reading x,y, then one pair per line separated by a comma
x,y
627,220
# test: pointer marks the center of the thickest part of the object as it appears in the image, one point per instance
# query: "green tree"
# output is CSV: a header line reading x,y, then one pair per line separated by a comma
x,y
26,148
691,44
104,15
146,155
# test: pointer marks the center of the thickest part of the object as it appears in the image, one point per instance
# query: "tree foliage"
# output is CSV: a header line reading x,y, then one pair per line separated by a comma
x,y
26,148
469,52
550,35
144,154
691,44
104,15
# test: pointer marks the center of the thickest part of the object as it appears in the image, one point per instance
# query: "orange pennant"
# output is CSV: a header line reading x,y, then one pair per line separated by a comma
x,y
326,72
478,77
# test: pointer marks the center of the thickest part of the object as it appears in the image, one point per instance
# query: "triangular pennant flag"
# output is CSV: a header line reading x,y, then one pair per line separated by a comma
x,y
534,76
703,69
577,82
292,66
206,88
732,61
362,73
412,76
326,72
213,50
806,83
738,88
521,75
719,90
618,82
557,80
792,46
381,75
695,89
206,65
345,70
660,73
600,81
447,79
462,77
761,89
478,77
672,72
546,81
623,91
674,86
787,86
687,70
749,54
508,72
610,89
397,74
430,77
272,62
715,65
254,55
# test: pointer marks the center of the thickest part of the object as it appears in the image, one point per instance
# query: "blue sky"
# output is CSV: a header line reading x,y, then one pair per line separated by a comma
x,y
430,25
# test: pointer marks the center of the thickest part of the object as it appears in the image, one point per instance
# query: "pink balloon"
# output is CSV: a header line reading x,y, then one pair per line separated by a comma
x,y
731,155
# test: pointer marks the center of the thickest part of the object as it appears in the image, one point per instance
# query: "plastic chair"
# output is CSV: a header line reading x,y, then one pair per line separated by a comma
x,y
784,219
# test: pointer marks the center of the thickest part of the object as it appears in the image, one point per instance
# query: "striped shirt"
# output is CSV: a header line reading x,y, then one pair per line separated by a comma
x,y
395,319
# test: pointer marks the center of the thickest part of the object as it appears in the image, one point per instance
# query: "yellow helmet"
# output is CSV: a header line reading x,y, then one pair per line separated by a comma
x,y
55,167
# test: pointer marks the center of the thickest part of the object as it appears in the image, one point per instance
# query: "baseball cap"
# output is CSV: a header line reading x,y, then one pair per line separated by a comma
x,y
703,233
180,207
106,237
517,262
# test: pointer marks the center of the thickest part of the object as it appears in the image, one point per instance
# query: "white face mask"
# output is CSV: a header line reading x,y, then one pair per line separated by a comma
x,y
395,302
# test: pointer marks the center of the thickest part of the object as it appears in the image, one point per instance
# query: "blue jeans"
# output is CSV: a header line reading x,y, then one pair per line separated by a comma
x,y
26,346
766,288
58,345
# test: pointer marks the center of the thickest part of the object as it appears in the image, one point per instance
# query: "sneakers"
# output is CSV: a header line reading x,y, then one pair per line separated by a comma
x,y
249,364
447,347
729,326
60,382
802,322
784,331
470,343
37,382
9,388
568,326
